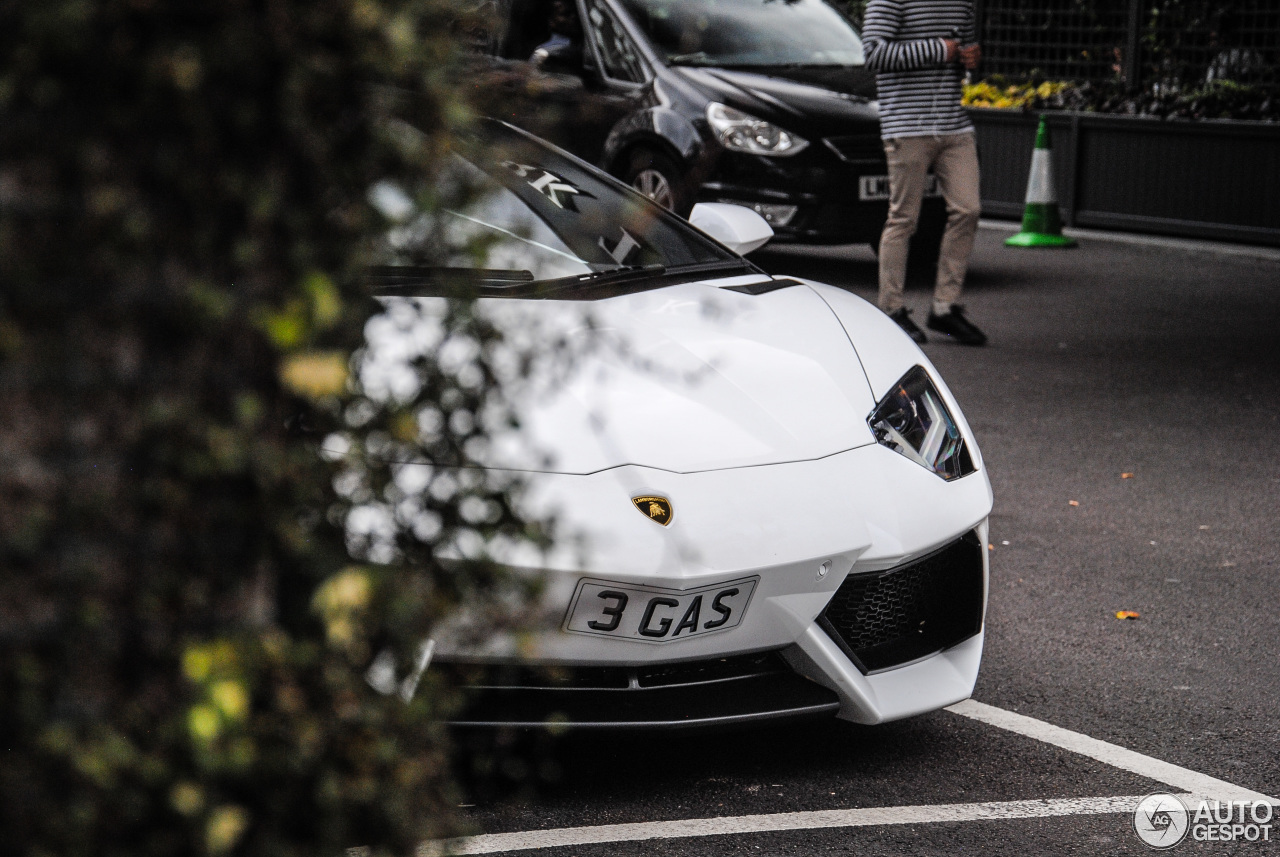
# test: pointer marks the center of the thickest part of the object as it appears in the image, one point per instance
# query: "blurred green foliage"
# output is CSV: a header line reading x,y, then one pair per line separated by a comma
x,y
183,220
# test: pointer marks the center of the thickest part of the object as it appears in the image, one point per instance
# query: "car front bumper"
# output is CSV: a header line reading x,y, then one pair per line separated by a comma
x,y
863,513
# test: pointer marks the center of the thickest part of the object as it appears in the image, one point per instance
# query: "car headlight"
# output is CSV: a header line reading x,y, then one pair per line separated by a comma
x,y
913,420
741,132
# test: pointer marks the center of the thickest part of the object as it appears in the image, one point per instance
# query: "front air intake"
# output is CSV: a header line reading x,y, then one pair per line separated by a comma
x,y
883,619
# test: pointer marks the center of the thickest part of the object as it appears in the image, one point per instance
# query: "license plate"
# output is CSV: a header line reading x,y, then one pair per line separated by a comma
x,y
656,615
877,187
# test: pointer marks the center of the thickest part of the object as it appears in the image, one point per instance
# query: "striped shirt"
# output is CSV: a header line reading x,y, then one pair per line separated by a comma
x,y
919,90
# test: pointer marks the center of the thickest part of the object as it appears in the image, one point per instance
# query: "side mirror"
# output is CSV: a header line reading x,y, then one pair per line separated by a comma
x,y
740,229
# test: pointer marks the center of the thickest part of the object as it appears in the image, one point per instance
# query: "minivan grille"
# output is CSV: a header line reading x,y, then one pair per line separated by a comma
x,y
859,147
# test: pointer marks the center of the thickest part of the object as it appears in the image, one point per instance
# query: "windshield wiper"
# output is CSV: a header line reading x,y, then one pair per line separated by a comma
x,y
635,272
625,272
389,279
414,281
594,283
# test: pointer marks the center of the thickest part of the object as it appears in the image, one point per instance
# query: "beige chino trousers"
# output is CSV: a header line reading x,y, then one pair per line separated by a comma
x,y
954,159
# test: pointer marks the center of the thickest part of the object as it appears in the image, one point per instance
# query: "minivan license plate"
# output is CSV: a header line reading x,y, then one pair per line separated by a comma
x,y
656,615
877,187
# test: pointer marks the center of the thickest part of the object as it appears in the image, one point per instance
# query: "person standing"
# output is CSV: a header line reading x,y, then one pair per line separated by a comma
x,y
919,50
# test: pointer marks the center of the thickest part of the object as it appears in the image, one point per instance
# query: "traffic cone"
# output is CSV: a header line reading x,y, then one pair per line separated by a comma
x,y
1041,221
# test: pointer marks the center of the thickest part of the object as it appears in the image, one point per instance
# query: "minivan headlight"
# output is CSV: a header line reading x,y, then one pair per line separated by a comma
x,y
742,132
912,420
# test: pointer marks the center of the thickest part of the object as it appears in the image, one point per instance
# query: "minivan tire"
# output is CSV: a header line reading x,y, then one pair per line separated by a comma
x,y
659,178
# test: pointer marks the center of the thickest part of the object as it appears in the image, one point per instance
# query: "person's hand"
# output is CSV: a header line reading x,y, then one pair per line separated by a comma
x,y
970,55
952,47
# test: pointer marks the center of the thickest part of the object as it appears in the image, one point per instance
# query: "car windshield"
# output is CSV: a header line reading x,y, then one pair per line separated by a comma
x,y
748,32
511,211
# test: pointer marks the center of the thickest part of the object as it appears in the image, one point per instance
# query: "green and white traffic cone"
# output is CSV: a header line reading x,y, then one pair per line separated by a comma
x,y
1041,220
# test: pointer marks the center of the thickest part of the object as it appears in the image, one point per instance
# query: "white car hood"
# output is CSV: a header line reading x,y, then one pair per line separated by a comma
x,y
686,378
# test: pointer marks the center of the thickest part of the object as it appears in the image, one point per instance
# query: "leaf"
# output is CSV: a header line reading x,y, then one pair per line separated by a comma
x,y
1128,614
1126,475
287,329
187,798
231,699
225,827
203,723
340,600
1073,502
197,662
326,304
315,374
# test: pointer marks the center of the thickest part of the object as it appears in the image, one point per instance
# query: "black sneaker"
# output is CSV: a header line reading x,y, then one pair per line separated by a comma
x,y
902,316
956,326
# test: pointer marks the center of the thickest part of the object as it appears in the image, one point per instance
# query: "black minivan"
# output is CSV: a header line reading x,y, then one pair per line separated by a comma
x,y
761,103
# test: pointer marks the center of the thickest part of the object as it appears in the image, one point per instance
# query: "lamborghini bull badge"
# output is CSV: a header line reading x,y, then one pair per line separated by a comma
x,y
654,508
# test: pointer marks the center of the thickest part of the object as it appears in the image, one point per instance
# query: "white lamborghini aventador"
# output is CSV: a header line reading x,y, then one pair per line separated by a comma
x,y
782,508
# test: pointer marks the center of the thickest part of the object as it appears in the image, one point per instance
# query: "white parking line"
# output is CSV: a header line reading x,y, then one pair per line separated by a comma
x,y
496,843
1195,785
1111,754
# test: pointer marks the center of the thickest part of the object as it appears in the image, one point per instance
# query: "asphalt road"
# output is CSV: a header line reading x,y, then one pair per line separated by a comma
x,y
1111,359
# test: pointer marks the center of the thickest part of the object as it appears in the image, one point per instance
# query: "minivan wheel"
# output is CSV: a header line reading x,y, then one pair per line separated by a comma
x,y
657,177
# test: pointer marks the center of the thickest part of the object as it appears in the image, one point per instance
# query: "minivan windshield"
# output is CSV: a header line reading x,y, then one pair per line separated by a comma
x,y
748,32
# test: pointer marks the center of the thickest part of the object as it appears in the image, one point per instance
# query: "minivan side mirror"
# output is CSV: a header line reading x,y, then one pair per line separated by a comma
x,y
738,228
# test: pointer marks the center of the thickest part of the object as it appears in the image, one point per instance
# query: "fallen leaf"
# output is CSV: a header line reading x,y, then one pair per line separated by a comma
x,y
991,547
1126,475
1128,614
1073,502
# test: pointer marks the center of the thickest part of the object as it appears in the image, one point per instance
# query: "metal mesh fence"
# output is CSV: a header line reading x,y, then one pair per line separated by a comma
x,y
1152,44
1056,39
1185,44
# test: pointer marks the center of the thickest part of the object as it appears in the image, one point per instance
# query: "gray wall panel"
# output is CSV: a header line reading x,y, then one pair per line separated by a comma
x,y
1209,179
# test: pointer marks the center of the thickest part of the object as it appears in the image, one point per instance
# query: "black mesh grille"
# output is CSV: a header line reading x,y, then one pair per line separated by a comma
x,y
619,678
886,618
738,689
861,147
696,672
511,675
